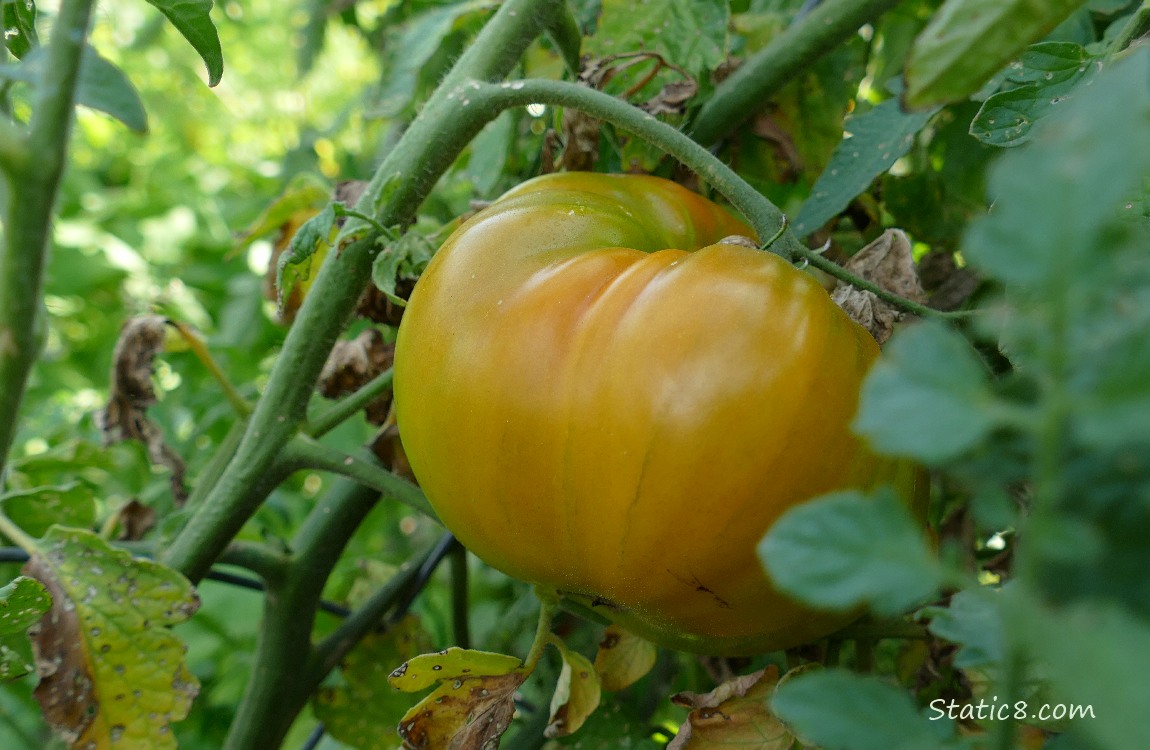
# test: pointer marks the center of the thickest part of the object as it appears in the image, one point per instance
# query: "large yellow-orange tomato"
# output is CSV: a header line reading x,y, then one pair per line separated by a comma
x,y
597,398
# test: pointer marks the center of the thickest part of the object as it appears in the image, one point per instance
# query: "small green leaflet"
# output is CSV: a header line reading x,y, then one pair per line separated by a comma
x,y
928,398
878,138
120,677
191,18
968,41
299,263
22,603
1043,78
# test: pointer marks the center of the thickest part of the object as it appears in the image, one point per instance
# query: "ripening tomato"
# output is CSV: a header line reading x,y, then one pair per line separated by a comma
x,y
589,410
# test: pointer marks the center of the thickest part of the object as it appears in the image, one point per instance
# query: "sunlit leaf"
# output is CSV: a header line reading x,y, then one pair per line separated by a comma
x,y
22,603
927,398
191,18
363,709
968,41
450,664
838,709
623,658
118,678
824,553
690,34
19,18
576,694
733,715
878,138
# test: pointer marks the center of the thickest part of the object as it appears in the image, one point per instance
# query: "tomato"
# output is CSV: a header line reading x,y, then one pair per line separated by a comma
x,y
592,411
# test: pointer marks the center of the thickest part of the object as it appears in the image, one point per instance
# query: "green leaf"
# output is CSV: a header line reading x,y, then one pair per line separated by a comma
x,y
489,153
192,19
973,621
927,397
427,669
105,87
690,34
968,41
306,193
120,677
37,509
22,603
845,549
404,258
102,86
877,140
1097,654
835,710
1053,199
414,49
576,694
1045,77
303,257
19,17
363,710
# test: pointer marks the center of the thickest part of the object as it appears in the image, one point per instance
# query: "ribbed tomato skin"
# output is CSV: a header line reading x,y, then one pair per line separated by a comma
x,y
598,398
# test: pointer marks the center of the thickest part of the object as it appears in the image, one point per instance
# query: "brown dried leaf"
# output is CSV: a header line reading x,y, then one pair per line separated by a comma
x,y
132,392
136,520
672,99
623,658
733,715
887,262
463,714
352,364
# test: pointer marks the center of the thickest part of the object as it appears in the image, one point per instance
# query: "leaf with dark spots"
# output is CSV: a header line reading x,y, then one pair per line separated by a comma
x,y
463,714
132,392
733,715
112,674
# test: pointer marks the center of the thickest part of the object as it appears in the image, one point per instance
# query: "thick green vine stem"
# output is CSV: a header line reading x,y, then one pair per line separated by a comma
x,y
34,178
742,94
408,174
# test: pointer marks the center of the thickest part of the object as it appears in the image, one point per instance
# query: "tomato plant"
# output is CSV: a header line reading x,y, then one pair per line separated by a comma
x,y
646,414
594,390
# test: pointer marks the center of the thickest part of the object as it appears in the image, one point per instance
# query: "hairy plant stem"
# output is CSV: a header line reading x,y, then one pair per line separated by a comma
x,y
764,217
34,179
748,89
406,176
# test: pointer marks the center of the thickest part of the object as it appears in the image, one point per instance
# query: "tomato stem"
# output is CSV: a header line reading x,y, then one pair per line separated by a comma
x,y
548,606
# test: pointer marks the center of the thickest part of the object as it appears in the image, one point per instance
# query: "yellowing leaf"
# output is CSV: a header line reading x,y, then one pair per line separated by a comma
x,y
427,669
576,695
733,715
623,658
112,674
